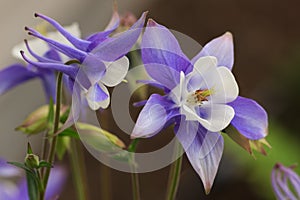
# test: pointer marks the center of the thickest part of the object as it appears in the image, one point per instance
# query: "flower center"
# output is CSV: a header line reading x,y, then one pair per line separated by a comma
x,y
198,96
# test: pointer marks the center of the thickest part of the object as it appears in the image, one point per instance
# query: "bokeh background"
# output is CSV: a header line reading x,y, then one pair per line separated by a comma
x,y
267,68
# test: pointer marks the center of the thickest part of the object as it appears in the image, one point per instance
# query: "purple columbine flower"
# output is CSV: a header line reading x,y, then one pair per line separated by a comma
x,y
201,97
16,191
100,58
285,182
18,73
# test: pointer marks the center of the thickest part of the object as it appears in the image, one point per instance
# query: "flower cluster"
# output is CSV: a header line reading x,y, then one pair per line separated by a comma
x,y
201,95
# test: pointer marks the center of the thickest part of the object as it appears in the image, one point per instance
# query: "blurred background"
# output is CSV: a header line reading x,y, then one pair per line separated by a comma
x,y
267,68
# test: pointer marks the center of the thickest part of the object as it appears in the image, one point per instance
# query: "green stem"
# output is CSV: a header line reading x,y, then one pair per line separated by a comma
x,y
134,176
78,170
174,175
135,186
106,190
51,154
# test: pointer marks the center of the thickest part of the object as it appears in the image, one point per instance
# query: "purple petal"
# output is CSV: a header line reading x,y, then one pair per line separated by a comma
x,y
250,119
13,76
99,37
221,48
153,117
65,49
96,93
203,148
70,70
166,76
56,182
46,58
93,68
160,46
49,83
77,42
7,170
277,190
115,47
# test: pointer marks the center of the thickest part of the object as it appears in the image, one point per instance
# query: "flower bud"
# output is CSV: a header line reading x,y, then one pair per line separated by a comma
x,y
32,161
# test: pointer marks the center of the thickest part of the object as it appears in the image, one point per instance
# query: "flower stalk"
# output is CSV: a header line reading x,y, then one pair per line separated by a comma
x,y
55,128
174,175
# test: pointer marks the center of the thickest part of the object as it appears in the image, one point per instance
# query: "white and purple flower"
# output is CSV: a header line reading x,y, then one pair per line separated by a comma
x,y
201,98
285,182
100,58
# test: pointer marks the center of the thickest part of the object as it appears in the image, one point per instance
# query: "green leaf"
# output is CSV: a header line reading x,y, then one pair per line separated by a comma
x,y
44,163
21,165
63,144
32,186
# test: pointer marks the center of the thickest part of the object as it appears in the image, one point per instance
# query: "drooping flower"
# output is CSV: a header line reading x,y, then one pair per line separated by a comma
x,y
100,58
18,73
9,190
201,97
285,182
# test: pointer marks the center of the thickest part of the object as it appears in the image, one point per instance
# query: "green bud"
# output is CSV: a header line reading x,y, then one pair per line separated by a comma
x,y
37,121
32,161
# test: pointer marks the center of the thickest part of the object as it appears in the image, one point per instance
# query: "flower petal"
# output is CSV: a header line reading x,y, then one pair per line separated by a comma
x,y
115,71
250,119
116,47
221,48
56,182
203,148
220,80
97,38
7,170
13,76
160,46
98,96
153,117
214,117
73,37
48,79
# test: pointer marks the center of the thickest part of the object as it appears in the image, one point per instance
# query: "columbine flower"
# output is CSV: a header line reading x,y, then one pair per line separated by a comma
x,y
285,182
18,73
201,98
100,58
11,191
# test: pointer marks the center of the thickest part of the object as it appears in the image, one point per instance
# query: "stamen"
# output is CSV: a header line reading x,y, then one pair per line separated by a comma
x,y
199,96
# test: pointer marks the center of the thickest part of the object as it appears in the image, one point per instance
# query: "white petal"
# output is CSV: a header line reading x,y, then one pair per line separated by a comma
x,y
40,47
101,104
191,115
115,71
225,89
219,116
180,90
205,69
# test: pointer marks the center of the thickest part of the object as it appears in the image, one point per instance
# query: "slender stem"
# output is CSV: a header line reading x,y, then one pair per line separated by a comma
x,y
135,186
51,154
174,175
78,170
106,190
134,176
